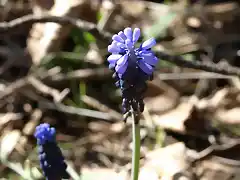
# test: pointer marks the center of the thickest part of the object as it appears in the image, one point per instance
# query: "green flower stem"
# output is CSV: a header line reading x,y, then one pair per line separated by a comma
x,y
136,146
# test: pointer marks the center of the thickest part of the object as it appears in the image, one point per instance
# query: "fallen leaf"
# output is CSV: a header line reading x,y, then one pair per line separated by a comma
x,y
164,162
231,116
101,174
8,143
174,119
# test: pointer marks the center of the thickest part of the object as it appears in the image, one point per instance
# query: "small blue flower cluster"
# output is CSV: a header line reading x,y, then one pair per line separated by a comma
x,y
50,156
132,66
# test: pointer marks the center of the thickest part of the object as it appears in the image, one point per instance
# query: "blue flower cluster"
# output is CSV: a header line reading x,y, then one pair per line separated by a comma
x,y
50,156
132,66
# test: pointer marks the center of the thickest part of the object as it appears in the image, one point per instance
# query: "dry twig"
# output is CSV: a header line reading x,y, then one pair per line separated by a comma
x,y
98,105
43,88
7,27
211,150
225,69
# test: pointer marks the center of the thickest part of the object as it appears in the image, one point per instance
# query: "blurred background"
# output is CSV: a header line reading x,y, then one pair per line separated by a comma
x,y
59,74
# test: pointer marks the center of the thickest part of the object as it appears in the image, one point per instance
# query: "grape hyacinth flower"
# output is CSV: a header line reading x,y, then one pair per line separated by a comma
x,y
132,66
50,156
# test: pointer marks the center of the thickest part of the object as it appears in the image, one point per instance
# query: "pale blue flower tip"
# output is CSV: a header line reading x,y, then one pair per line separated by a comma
x,y
113,49
117,38
128,32
136,34
149,43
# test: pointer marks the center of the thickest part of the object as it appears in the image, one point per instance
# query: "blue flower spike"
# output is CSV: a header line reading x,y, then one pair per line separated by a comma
x,y
50,156
132,66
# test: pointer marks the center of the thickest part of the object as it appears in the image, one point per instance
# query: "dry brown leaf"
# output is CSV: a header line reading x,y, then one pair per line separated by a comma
x,y
164,162
101,174
174,119
231,116
212,169
29,127
214,101
160,97
8,143
159,104
50,36
138,10
5,118
223,106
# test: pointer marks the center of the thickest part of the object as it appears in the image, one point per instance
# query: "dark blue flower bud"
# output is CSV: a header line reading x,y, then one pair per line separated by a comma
x,y
50,156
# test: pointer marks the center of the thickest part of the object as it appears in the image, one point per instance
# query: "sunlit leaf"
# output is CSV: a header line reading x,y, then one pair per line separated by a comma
x,y
89,37
160,26
8,143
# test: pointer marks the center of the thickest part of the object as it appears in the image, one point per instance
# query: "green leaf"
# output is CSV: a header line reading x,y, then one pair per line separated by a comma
x,y
82,92
89,38
99,16
75,91
188,57
76,35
